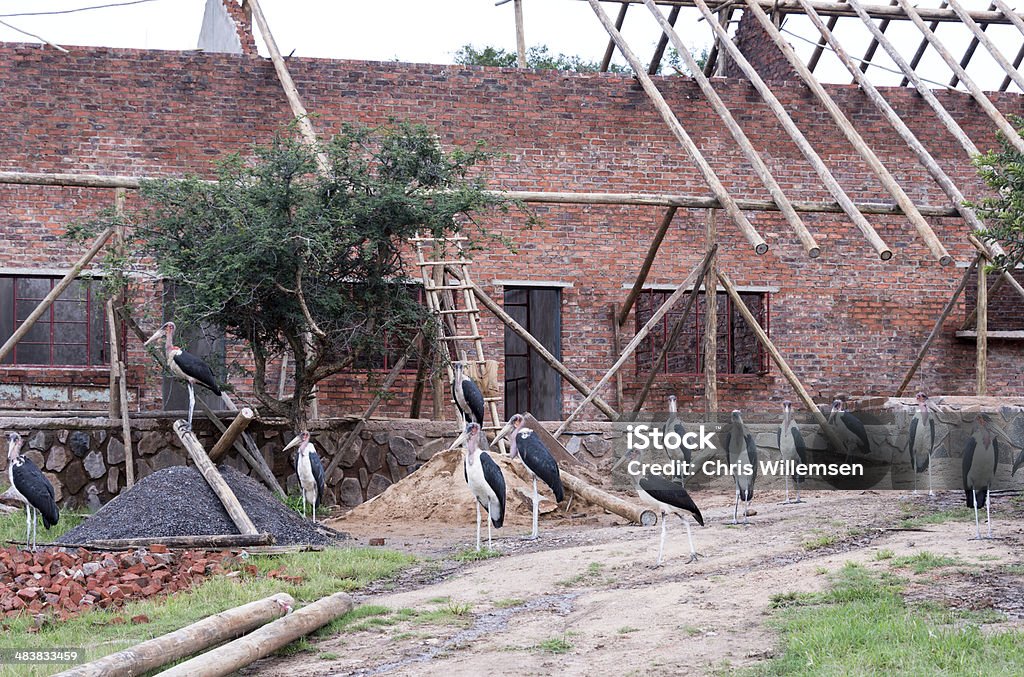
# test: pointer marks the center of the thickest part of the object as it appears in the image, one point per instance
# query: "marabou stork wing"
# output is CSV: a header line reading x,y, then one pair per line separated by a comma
x,y
995,461
318,476
913,435
37,490
668,492
496,481
798,442
540,462
968,461
1017,463
474,399
857,428
728,439
196,368
752,453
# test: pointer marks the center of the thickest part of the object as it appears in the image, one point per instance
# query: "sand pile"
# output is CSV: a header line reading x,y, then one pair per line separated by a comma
x,y
177,501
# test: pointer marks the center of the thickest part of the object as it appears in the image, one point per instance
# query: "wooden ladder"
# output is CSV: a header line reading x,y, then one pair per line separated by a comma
x,y
440,294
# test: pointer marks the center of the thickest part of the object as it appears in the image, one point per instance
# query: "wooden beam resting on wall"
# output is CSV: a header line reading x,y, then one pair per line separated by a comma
x,y
711,319
982,344
645,268
609,51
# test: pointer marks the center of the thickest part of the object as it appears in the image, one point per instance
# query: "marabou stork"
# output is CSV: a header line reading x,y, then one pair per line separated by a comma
x,y
791,446
484,479
922,440
675,425
31,488
186,367
1017,463
467,395
310,471
849,428
527,445
980,462
741,455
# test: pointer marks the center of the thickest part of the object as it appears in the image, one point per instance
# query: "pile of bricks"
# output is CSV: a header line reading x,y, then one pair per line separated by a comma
x,y
64,581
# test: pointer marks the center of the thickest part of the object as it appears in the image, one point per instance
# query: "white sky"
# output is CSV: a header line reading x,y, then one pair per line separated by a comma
x,y
432,30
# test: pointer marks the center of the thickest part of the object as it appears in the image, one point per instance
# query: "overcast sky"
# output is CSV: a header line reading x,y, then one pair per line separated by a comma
x,y
432,31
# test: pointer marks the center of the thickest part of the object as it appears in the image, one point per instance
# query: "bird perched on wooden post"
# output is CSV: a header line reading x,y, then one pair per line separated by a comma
x,y
922,440
31,488
791,447
741,455
467,395
310,471
981,458
528,446
186,367
849,429
485,480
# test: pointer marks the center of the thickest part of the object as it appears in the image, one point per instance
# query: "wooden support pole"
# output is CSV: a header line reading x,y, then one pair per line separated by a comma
x,y
937,327
779,361
888,181
869,53
265,640
982,356
247,449
659,49
768,96
979,36
228,437
989,255
114,407
213,478
520,34
645,269
544,354
711,320
819,48
753,157
609,51
1016,64
616,347
57,290
711,66
921,48
173,646
682,136
420,384
204,541
692,280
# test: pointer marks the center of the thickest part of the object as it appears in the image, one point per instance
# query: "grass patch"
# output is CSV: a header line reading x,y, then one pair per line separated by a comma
x,y
863,626
555,645
954,514
923,561
626,629
101,632
784,600
508,603
590,575
823,541
474,555
884,554
12,527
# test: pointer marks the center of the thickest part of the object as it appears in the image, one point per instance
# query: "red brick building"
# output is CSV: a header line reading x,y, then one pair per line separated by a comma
x,y
845,321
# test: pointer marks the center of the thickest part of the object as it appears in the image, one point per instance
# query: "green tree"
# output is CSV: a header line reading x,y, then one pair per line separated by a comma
x,y
1002,169
539,57
287,259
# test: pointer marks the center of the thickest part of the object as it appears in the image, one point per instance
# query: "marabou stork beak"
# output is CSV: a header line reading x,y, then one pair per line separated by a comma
x,y
459,441
294,443
156,335
628,453
503,432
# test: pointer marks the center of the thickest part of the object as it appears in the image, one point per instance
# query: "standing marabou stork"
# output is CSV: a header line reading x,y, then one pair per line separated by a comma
x,y
1017,463
675,425
980,462
741,455
537,459
922,440
31,488
484,479
849,428
186,367
791,446
310,471
467,395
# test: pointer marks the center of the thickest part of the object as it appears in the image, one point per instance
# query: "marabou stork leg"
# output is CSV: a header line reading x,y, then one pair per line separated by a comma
x,y
489,546
977,524
478,526
191,403
664,529
930,492
536,507
303,505
787,491
689,535
988,514
736,508
746,512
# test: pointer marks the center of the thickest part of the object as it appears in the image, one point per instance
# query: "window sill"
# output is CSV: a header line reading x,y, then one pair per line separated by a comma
x,y
1009,334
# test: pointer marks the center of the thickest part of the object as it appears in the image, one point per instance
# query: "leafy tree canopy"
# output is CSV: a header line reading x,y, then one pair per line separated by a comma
x,y
285,258
539,57
1002,169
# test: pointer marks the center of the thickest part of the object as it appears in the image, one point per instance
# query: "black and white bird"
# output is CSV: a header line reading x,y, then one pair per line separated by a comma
x,y
849,429
467,395
673,424
485,480
981,457
31,488
310,471
922,440
741,455
527,445
791,447
186,367
1017,463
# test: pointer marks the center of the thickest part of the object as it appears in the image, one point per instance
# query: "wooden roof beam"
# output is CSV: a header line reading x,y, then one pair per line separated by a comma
x,y
1016,64
712,62
609,51
1017,21
659,50
972,47
869,53
819,48
677,129
979,36
916,59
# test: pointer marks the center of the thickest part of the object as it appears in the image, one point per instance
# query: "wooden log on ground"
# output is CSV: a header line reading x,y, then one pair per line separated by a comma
x,y
227,439
213,478
263,641
203,542
554,446
210,631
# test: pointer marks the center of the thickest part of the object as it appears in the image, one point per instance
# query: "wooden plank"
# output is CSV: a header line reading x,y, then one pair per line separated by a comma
x,y
794,132
982,347
616,347
210,631
228,437
708,173
203,541
753,157
691,281
213,478
265,640
711,320
645,268
57,290
554,446
888,181
950,304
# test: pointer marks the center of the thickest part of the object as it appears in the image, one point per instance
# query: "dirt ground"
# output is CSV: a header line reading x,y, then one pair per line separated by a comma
x,y
590,582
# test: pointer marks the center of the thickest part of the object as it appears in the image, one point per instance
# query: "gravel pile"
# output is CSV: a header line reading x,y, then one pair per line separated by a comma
x,y
177,501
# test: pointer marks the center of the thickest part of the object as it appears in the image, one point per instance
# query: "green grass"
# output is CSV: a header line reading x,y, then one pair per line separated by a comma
x,y
508,603
884,554
626,629
587,577
923,561
473,555
323,573
823,541
12,527
862,626
954,514
556,645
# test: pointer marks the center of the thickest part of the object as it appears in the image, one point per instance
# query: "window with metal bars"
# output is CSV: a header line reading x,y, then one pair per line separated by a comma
x,y
739,351
72,332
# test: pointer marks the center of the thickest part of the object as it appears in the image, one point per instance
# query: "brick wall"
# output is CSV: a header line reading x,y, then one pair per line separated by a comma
x,y
846,321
